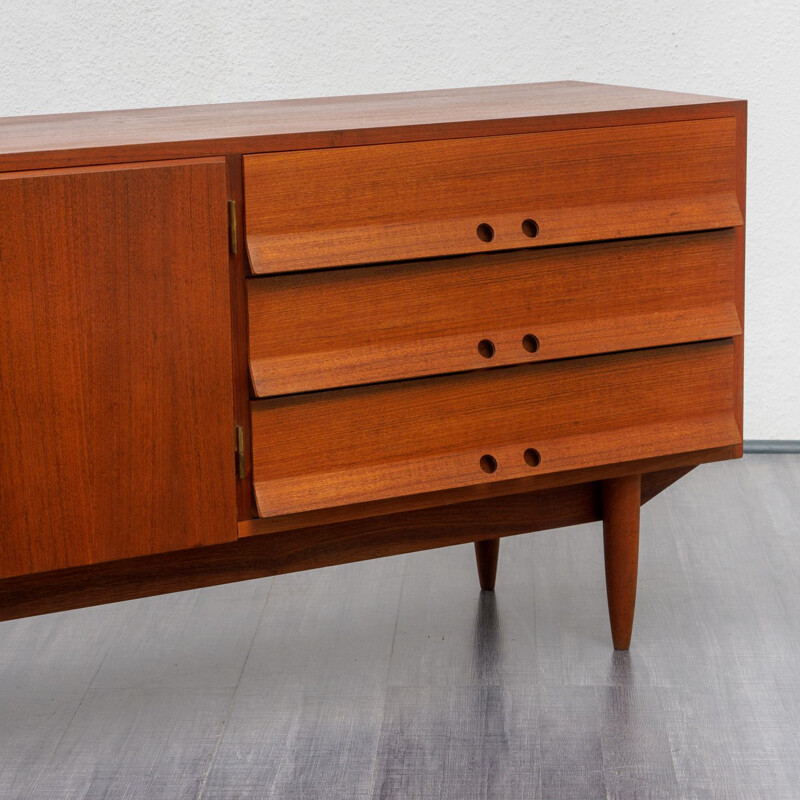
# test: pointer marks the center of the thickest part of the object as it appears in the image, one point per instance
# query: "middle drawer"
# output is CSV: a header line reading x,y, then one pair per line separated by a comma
x,y
362,325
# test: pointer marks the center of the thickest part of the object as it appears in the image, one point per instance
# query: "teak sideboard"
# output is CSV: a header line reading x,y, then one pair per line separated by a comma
x,y
247,339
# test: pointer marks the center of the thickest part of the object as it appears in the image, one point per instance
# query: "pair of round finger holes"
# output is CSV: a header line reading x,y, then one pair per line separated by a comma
x,y
485,231
487,349
532,457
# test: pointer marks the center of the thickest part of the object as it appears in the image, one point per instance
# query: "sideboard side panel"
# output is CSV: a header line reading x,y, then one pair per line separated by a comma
x,y
116,434
741,193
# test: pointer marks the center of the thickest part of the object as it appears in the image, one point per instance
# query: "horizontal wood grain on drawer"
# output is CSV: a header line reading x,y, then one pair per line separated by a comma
x,y
344,327
394,505
352,205
347,446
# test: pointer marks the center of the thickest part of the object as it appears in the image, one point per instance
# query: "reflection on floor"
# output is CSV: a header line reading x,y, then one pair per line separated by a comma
x,y
397,678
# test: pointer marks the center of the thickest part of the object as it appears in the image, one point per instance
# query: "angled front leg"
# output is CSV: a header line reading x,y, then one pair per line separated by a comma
x,y
486,553
622,499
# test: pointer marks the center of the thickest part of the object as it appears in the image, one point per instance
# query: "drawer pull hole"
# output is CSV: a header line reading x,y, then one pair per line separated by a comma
x,y
530,228
530,342
488,464
486,348
532,457
485,232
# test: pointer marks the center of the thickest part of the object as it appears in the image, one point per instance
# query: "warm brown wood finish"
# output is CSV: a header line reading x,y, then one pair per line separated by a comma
x,y
343,327
741,181
355,205
462,494
353,445
621,498
241,376
310,548
486,553
252,338
116,420
234,128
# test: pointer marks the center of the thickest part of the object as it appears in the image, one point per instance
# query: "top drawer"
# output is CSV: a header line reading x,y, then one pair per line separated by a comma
x,y
314,209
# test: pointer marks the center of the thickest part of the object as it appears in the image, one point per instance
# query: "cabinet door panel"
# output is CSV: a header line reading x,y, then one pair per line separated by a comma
x,y
116,417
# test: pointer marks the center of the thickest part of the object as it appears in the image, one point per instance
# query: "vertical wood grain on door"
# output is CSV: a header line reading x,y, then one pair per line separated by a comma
x,y
116,420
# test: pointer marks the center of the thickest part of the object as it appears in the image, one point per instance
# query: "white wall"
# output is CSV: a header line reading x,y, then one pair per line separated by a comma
x,y
69,55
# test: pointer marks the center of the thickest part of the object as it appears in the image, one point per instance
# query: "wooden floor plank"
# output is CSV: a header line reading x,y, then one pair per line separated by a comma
x,y
468,742
295,743
398,678
200,639
129,744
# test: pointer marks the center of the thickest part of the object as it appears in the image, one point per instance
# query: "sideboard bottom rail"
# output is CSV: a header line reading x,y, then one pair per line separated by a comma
x,y
375,537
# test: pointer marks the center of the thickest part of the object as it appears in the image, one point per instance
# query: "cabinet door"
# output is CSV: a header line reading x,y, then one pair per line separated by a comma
x,y
116,412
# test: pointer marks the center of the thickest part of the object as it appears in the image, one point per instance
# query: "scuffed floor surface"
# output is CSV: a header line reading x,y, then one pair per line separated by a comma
x,y
397,678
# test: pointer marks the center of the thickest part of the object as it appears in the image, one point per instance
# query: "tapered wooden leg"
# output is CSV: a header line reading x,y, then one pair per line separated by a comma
x,y
486,553
622,499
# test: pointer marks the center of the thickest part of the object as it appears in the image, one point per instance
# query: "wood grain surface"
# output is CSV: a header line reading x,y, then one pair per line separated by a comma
x,y
338,206
538,481
235,128
621,498
126,318
352,445
116,404
486,555
312,547
741,193
335,328
241,372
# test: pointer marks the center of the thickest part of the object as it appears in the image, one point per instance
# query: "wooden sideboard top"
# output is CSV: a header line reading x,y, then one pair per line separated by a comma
x,y
63,140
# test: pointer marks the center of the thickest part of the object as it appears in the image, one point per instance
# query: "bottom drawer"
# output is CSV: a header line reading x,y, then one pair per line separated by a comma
x,y
348,446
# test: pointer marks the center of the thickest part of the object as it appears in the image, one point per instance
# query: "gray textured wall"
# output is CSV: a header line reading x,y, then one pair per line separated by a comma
x,y
68,55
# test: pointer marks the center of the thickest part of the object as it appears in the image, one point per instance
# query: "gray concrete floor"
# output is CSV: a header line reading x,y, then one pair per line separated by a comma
x,y
397,678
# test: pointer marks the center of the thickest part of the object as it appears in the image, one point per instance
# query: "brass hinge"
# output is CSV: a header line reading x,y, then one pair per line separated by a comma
x,y
233,228
239,449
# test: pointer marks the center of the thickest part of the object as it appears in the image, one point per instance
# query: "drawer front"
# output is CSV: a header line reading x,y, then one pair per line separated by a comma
x,y
345,327
354,205
355,445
